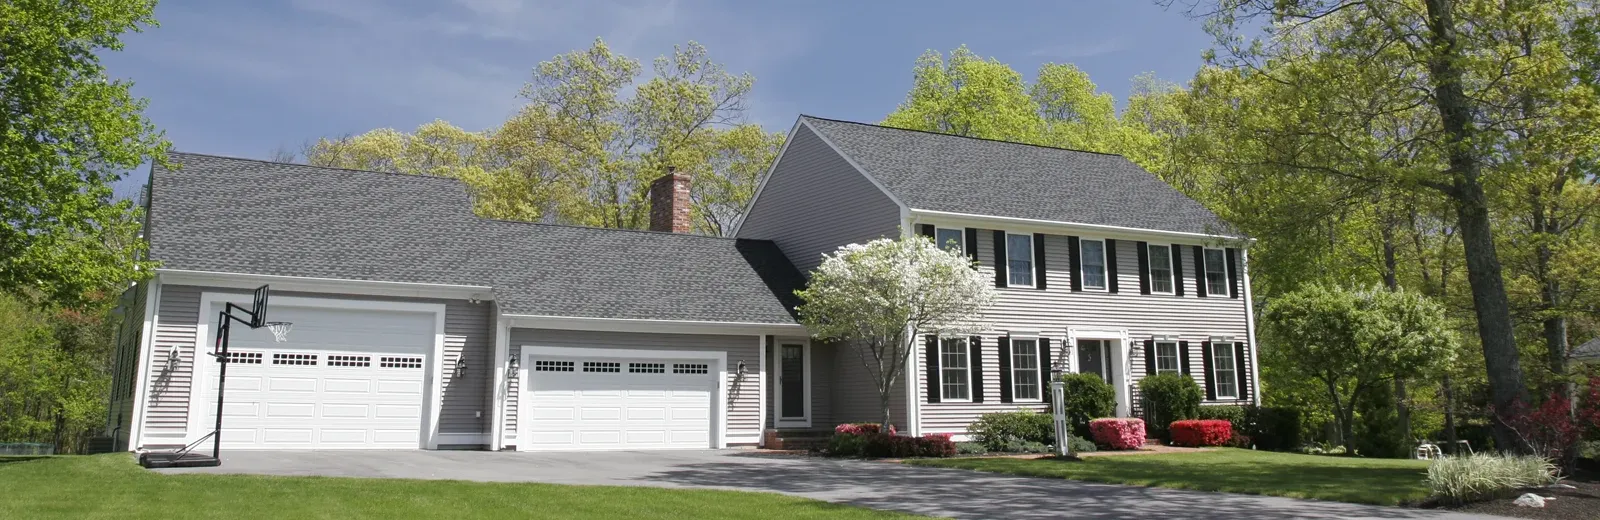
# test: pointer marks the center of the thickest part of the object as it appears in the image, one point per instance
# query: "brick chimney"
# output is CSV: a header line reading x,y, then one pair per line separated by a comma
x,y
669,203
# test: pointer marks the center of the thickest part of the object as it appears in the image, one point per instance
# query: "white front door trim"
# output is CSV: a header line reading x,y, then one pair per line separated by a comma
x,y
719,398
804,421
1120,363
202,361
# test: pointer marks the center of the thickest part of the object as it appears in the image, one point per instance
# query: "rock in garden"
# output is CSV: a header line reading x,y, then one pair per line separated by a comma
x,y
1529,500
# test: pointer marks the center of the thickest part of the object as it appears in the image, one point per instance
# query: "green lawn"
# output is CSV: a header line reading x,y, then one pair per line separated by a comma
x,y
1345,479
112,486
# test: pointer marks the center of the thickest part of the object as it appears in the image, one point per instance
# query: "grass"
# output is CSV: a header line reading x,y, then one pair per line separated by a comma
x,y
113,486
1343,479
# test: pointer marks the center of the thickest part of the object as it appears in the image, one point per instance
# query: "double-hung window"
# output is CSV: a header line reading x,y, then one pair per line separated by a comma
x,y
1019,260
1216,272
1094,263
954,376
1160,269
950,239
1025,385
1167,358
1224,373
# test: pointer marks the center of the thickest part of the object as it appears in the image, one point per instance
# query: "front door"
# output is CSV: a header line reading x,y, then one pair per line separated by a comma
x,y
1092,358
792,382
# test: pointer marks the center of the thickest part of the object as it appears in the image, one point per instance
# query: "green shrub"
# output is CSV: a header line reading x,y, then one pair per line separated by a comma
x,y
1377,427
1273,428
1169,397
1235,415
1458,480
1086,397
1016,446
1081,444
996,430
971,448
847,445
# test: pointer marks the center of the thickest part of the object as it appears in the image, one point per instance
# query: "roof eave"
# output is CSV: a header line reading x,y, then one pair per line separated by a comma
x,y
1066,227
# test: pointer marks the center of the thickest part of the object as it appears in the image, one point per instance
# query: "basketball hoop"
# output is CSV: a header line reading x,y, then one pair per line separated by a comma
x,y
280,330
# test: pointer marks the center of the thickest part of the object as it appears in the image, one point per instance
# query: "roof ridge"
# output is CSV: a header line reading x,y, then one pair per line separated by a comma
x,y
1047,147
598,228
330,168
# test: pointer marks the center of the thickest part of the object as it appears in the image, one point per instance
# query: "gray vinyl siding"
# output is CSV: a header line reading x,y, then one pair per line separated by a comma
x,y
743,412
815,201
855,391
1053,310
124,366
468,333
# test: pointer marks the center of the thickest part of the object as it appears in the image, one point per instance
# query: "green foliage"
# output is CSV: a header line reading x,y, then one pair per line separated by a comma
x,y
1013,431
1353,342
971,448
582,152
1273,428
1378,429
1086,397
1077,444
54,373
1169,397
1235,415
67,132
847,445
1469,478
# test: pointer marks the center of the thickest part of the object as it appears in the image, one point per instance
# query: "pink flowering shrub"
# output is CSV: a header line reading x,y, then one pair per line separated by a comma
x,y
860,428
1118,434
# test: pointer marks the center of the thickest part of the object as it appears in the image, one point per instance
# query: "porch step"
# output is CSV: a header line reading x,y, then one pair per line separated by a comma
x,y
807,439
1153,442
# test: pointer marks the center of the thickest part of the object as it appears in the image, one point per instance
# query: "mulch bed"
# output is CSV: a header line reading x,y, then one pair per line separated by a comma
x,y
1570,504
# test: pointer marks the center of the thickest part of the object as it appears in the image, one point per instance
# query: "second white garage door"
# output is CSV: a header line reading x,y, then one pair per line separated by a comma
x,y
578,403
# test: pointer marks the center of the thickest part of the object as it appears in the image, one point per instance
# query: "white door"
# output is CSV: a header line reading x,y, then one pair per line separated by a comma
x,y
345,379
578,403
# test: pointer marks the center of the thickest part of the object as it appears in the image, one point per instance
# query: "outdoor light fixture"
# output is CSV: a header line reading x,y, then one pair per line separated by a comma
x,y
255,317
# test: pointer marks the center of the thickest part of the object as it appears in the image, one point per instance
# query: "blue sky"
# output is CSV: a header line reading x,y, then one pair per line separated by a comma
x,y
242,78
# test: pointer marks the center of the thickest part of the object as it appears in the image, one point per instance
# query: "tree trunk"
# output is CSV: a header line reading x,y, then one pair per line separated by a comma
x,y
1489,299
1450,416
1391,281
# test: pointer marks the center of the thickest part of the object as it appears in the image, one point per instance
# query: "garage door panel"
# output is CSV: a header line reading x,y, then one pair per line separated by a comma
x,y
615,404
344,380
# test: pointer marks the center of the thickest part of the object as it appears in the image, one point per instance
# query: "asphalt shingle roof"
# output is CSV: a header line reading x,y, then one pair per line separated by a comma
x,y
225,214
1588,351
939,172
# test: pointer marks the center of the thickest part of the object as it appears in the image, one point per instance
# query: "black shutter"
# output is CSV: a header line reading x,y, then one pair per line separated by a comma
x,y
1242,370
934,387
1111,264
1200,271
1149,357
975,360
1038,261
1205,363
1005,369
999,259
925,230
1144,267
1044,369
1177,270
1183,357
1075,262
972,244
1233,272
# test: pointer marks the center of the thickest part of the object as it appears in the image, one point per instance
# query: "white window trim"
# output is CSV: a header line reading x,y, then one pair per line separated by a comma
x,y
805,378
1206,275
939,344
1216,382
1177,355
1172,270
1012,351
1032,275
961,238
1105,268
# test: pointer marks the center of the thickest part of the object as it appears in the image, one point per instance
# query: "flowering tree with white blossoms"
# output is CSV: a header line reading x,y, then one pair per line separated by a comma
x,y
881,296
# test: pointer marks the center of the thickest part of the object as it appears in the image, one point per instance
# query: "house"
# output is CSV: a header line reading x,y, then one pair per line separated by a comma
x,y
418,324
1587,352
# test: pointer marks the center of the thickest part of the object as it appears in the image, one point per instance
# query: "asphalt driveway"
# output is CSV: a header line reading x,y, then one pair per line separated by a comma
x,y
930,491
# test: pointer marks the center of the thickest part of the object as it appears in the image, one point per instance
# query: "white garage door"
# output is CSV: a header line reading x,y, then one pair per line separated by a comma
x,y
346,379
574,403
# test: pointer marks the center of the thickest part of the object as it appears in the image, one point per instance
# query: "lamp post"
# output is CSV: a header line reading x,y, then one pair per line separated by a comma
x,y
1059,410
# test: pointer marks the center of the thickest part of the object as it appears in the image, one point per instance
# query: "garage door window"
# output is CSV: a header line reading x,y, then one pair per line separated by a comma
x,y
647,368
602,366
280,358
690,368
349,361
249,358
400,362
545,365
